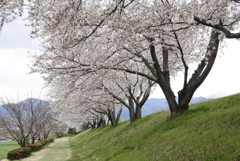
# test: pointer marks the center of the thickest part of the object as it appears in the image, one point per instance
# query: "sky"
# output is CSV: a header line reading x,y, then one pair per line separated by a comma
x,y
16,49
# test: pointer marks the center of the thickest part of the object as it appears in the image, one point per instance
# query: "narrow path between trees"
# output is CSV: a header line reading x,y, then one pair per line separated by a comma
x,y
57,151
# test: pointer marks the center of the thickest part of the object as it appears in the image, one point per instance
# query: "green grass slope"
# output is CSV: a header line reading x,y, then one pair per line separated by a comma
x,y
209,131
5,147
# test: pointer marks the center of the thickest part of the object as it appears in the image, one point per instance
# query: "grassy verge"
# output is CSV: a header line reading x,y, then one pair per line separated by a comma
x,y
209,131
57,151
5,147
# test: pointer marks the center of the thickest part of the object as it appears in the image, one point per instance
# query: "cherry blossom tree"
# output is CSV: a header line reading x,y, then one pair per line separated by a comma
x,y
130,90
76,104
9,10
104,104
161,37
102,93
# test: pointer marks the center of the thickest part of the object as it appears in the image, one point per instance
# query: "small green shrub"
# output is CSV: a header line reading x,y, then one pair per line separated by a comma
x,y
49,140
35,147
19,153
42,142
23,152
59,134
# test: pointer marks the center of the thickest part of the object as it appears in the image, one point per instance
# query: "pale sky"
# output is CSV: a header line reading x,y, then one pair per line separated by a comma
x,y
15,46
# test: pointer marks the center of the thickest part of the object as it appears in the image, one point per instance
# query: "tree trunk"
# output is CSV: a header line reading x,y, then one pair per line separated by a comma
x,y
113,122
33,140
114,119
119,115
135,113
200,74
191,85
22,143
138,113
111,116
131,114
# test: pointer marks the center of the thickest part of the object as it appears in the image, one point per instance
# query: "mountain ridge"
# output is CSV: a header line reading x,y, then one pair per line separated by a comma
x,y
152,105
35,101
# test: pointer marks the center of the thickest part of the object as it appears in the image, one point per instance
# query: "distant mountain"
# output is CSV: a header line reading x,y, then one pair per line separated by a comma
x,y
153,105
35,101
1,110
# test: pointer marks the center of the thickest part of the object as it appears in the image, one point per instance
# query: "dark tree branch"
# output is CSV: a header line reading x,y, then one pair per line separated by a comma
x,y
165,66
116,97
145,61
220,27
134,72
155,60
183,60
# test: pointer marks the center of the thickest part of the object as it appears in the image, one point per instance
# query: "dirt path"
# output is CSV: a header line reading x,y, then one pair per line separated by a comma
x,y
57,151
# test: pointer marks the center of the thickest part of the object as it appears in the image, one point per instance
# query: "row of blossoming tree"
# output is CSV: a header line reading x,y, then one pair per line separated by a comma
x,y
101,55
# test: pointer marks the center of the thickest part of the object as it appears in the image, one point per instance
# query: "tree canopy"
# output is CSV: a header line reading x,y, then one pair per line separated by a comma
x,y
149,38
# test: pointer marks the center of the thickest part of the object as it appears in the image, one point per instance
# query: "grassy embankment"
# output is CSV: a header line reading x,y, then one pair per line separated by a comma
x,y
209,131
5,147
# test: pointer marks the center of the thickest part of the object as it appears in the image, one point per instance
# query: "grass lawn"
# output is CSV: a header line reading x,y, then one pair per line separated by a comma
x,y
5,147
209,131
